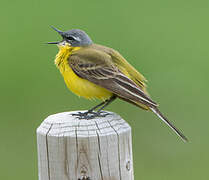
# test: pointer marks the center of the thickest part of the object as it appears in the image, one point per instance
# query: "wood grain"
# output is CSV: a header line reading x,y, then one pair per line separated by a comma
x,y
74,149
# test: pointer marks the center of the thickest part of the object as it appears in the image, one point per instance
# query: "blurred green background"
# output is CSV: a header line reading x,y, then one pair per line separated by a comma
x,y
168,41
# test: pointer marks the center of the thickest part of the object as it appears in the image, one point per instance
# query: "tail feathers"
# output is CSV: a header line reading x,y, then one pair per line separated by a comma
x,y
165,120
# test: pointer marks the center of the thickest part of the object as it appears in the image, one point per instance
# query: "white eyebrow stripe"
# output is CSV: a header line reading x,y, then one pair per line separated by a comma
x,y
77,38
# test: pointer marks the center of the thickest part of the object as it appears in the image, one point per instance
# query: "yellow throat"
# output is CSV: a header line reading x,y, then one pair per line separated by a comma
x,y
77,85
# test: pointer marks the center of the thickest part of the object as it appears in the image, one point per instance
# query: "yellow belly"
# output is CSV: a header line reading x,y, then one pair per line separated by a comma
x,y
77,85
84,88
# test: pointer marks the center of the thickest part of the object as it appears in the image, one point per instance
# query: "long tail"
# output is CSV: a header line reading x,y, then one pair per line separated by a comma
x,y
165,120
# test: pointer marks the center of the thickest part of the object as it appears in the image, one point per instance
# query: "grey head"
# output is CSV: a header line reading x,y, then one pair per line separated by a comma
x,y
74,37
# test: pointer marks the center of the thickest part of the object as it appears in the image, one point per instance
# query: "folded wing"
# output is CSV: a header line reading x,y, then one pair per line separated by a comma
x,y
98,68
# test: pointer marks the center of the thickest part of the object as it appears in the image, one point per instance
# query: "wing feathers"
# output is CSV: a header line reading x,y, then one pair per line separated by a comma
x,y
113,80
133,89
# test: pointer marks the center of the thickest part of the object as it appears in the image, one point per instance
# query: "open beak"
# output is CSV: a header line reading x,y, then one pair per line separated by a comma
x,y
60,32
57,30
53,42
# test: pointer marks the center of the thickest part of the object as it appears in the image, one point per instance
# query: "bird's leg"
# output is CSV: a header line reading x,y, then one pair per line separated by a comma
x,y
90,111
95,107
99,112
90,114
106,103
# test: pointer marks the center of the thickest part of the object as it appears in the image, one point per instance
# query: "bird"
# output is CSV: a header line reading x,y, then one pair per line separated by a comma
x,y
95,71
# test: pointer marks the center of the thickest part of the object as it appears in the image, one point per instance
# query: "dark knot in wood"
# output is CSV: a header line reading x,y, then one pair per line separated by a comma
x,y
84,178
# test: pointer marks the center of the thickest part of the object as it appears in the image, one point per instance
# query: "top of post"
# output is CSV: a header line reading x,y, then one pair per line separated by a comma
x,y
64,124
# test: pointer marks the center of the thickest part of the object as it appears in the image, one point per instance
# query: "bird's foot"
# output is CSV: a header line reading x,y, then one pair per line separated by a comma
x,y
82,114
90,114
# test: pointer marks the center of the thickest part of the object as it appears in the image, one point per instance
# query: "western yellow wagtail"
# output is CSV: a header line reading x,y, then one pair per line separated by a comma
x,y
95,71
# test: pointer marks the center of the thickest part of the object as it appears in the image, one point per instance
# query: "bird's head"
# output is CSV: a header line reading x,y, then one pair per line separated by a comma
x,y
74,37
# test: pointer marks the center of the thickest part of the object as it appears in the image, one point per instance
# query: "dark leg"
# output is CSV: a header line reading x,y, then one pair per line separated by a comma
x,y
90,114
95,107
107,103
90,111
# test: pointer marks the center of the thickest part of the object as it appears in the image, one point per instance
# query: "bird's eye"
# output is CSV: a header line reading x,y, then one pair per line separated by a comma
x,y
71,38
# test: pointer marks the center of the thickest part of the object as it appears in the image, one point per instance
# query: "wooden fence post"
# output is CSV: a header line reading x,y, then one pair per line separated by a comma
x,y
74,149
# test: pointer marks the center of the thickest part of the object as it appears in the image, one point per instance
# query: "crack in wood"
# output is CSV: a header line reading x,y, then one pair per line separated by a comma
x,y
77,154
118,149
100,167
108,165
47,151
99,147
98,138
66,158
90,168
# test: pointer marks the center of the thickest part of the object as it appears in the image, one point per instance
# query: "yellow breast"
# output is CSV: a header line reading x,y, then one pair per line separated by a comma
x,y
77,85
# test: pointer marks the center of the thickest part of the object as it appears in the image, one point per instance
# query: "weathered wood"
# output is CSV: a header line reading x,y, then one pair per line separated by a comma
x,y
74,149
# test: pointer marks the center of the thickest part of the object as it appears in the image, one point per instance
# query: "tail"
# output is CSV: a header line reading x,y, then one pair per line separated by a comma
x,y
165,120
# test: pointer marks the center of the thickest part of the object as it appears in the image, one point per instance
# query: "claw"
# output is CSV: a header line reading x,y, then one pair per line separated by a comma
x,y
90,114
